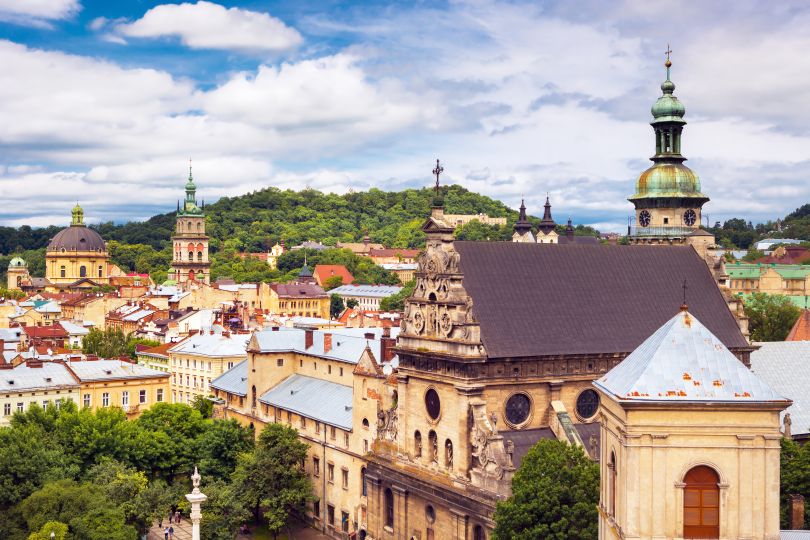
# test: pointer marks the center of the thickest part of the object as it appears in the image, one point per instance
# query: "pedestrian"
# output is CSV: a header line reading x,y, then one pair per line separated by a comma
x,y
177,517
166,533
171,532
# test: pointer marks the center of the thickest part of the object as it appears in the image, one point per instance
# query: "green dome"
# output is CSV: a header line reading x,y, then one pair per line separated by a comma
x,y
668,108
666,179
16,261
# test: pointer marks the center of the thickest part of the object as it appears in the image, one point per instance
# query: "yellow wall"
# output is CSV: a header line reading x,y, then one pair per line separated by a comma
x,y
196,368
116,388
73,261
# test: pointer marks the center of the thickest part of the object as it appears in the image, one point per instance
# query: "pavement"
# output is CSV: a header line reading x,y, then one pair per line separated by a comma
x,y
182,531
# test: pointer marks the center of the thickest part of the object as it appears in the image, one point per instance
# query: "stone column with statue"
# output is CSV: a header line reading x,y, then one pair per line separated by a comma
x,y
196,497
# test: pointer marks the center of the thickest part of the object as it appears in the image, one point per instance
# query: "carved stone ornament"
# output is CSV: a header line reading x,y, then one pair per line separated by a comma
x,y
387,424
418,321
491,466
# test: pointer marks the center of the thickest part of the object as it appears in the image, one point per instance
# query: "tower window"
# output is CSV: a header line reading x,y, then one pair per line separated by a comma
x,y
389,508
199,256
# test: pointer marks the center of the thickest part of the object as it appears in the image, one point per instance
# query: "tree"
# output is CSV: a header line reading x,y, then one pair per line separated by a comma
x,y
396,302
271,480
753,254
352,303
794,477
335,305
554,496
332,282
108,343
223,512
770,316
58,529
218,449
204,405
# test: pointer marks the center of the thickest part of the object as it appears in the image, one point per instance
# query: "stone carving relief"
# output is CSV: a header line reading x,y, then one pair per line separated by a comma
x,y
387,424
491,466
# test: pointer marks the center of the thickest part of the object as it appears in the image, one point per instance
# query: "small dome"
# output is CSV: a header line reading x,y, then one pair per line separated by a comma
x,y
77,238
668,106
16,262
668,180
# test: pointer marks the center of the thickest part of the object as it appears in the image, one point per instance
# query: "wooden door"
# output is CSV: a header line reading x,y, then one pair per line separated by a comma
x,y
701,504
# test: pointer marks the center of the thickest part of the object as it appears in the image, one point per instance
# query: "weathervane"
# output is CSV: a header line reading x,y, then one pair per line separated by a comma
x,y
437,171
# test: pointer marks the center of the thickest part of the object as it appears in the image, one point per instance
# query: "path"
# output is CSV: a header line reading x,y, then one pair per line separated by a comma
x,y
182,531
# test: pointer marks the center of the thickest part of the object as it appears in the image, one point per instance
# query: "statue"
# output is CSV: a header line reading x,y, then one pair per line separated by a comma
x,y
787,423
448,454
592,442
434,449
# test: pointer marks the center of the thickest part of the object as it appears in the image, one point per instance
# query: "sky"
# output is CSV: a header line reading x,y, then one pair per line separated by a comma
x,y
104,103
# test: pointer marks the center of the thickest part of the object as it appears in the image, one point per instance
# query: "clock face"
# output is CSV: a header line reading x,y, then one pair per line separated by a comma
x,y
432,404
644,218
517,408
689,217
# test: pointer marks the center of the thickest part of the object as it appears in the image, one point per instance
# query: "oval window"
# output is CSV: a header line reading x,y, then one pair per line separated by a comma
x,y
432,403
587,404
518,407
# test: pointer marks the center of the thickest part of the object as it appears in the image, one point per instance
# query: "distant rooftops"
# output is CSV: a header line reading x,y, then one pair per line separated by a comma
x,y
216,345
370,291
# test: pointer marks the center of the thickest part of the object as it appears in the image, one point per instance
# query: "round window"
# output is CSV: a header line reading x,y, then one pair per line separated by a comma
x,y
430,513
432,403
518,407
587,404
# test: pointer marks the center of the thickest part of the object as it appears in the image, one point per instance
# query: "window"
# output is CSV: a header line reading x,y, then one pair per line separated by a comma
x,y
316,508
363,486
187,363
61,271
345,475
142,397
330,472
125,398
20,407
188,380
365,423
209,366
389,508
82,271
230,365
280,362
174,378
332,432
478,533
612,485
341,372
316,466
159,396
365,446
329,369
317,428
194,364
105,399
289,417
330,514
303,423
100,271
45,403
344,521
518,407
701,503
86,400
194,380
199,255
587,404
346,440
6,409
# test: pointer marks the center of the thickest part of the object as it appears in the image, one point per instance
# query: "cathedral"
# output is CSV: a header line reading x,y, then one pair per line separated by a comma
x,y
190,262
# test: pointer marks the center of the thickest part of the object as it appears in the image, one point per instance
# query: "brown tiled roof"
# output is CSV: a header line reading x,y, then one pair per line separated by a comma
x,y
801,328
578,240
161,350
325,271
45,332
298,290
546,299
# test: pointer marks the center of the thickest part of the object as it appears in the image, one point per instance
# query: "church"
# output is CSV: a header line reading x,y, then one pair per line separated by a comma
x,y
190,262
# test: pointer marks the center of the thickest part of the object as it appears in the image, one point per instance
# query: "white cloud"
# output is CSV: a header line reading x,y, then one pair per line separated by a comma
x,y
206,25
37,13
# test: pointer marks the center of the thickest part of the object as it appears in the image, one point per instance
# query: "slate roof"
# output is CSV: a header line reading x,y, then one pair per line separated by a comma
x,y
24,378
683,361
321,400
348,344
591,240
785,365
794,535
215,345
547,299
367,291
101,370
233,381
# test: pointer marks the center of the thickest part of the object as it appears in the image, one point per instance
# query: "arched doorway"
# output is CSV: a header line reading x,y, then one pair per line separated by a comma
x,y
701,503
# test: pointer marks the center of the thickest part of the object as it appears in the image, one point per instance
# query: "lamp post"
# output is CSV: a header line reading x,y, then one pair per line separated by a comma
x,y
196,497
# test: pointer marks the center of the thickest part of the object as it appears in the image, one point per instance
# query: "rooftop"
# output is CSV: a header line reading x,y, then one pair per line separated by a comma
x,y
348,344
50,375
298,290
100,370
320,400
233,381
801,328
217,344
785,366
370,291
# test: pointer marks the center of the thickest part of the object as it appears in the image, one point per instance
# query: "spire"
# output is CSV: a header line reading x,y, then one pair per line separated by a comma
x,y
522,225
77,216
438,201
547,223
569,229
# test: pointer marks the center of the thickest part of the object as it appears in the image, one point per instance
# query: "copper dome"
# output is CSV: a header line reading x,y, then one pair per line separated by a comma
x,y
77,238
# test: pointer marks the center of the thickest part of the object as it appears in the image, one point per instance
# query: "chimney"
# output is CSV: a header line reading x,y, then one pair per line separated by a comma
x,y
308,338
327,342
274,329
369,335
387,345
2,345
796,511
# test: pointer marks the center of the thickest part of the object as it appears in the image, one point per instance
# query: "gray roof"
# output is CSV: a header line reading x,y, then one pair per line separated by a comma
x,y
100,370
348,344
214,345
370,291
684,361
10,334
24,378
785,365
73,328
794,535
321,400
233,381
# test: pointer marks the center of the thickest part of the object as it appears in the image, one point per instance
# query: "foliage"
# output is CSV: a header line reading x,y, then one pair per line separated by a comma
x,y
477,231
204,405
270,480
352,303
794,478
396,302
362,268
770,316
219,447
57,528
223,512
753,254
554,496
332,282
336,306
113,343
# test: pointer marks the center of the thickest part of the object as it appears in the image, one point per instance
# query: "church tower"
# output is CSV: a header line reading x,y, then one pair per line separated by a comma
x,y
523,227
667,200
190,262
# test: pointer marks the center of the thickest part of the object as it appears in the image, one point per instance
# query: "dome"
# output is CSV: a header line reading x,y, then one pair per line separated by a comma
x,y
77,238
16,261
668,107
667,179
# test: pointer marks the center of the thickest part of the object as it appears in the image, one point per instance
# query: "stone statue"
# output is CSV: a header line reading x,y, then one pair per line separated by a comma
x,y
195,498
434,449
787,423
448,454
510,451
592,442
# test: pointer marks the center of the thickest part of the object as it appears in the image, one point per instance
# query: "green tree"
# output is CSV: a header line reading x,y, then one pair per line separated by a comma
x,y
174,427
396,302
332,282
352,303
752,255
204,405
57,529
108,343
219,447
794,478
335,305
554,496
223,512
270,479
770,317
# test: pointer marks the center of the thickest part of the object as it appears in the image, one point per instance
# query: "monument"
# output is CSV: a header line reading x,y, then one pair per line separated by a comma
x,y
196,498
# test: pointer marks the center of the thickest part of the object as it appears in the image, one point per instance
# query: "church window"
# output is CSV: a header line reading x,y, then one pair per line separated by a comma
x,y
82,271
701,503
432,403
478,533
61,271
389,508
518,408
363,485
587,404
417,444
430,513
190,255
253,396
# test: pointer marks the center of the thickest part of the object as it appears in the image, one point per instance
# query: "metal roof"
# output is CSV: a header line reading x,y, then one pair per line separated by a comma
x,y
24,379
215,345
372,291
784,366
348,344
73,328
138,315
684,361
794,535
100,370
233,381
321,400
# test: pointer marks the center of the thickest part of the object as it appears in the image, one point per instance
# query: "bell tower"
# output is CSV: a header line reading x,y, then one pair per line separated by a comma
x,y
190,244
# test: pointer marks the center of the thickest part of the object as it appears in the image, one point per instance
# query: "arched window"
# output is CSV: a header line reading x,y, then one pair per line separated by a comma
x,y
389,508
478,533
363,487
612,484
189,225
253,396
191,275
199,256
365,423
199,226
417,444
82,271
191,255
701,503
448,454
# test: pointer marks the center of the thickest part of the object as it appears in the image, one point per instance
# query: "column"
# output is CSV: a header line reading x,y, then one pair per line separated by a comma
x,y
196,497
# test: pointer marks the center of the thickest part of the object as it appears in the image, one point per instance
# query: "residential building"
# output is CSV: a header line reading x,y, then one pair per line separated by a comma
x,y
690,441
34,381
360,248
788,254
404,271
75,332
53,336
91,309
368,297
155,357
190,243
359,318
393,256
792,280
459,220
767,244
119,383
323,272
132,317
196,361
297,299
38,313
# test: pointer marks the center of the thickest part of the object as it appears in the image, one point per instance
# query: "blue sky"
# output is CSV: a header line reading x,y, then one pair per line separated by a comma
x,y
104,102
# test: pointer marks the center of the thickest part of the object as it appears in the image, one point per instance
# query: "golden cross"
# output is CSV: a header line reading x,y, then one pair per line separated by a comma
x,y
668,51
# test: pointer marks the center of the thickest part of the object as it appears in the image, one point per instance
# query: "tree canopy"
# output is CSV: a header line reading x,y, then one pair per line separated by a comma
x,y
770,316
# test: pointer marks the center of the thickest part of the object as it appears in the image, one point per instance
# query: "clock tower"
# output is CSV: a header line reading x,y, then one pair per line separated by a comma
x,y
190,244
667,200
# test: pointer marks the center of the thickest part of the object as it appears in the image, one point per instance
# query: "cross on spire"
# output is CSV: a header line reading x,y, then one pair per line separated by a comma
x,y
668,63
437,171
684,306
668,51
189,167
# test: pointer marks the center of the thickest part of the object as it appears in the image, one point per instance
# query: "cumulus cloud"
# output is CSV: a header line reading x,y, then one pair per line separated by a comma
x,y
37,13
206,25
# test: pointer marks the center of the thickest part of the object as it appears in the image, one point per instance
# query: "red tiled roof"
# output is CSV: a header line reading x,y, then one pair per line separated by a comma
x,y
325,271
801,328
793,255
45,332
160,350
